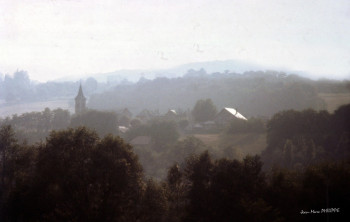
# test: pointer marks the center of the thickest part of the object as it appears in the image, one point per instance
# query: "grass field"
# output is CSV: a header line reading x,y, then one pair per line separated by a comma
x,y
246,143
335,100
208,139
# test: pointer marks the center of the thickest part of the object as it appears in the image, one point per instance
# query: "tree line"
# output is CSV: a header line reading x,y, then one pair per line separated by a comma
x,y
254,93
33,127
75,175
19,88
296,139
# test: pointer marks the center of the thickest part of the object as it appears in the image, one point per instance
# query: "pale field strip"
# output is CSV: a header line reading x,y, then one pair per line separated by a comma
x,y
335,100
20,108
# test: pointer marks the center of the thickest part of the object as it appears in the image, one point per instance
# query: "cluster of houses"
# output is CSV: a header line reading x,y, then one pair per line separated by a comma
x,y
226,115
126,119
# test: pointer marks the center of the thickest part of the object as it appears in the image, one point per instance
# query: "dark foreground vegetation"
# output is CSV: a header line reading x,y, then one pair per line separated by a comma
x,y
78,175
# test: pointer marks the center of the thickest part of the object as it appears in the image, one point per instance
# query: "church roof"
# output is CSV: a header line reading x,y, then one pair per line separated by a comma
x,y
80,93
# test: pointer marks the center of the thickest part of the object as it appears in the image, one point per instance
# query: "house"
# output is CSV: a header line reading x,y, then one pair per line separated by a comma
x,y
226,115
171,115
209,125
126,113
123,129
141,141
171,112
146,115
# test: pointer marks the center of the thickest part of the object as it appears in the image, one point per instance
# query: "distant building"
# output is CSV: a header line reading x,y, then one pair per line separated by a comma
x,y
80,102
226,115
146,115
126,113
123,129
171,115
124,117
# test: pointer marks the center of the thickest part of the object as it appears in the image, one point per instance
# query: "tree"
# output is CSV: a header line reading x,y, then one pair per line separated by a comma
x,y
204,110
176,193
341,119
154,203
90,85
16,172
198,173
236,191
18,87
7,146
185,148
46,119
222,190
80,177
326,186
102,122
288,153
61,119
162,133
21,79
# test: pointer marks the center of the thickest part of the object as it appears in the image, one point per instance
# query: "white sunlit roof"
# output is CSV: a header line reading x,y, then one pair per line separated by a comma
x,y
235,113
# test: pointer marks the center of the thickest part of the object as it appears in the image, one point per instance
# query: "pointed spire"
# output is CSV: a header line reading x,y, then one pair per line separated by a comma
x,y
80,101
80,93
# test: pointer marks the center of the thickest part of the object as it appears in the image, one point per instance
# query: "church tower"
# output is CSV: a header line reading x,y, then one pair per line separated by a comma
x,y
80,102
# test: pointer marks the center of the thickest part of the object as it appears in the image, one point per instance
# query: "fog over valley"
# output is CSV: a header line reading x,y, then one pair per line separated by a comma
x,y
174,111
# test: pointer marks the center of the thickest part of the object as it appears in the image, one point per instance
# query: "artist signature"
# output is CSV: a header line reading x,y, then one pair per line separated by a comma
x,y
322,211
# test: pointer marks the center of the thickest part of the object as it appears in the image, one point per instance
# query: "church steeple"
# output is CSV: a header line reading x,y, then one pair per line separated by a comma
x,y
80,101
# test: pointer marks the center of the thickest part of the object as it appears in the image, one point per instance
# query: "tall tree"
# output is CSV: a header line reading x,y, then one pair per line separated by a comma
x,y
204,110
7,144
176,193
8,148
198,172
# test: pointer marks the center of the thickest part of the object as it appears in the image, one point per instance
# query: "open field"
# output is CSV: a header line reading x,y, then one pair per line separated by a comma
x,y
20,108
247,143
209,139
335,100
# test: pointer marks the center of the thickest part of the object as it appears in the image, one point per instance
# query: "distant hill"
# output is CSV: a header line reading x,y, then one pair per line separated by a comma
x,y
221,66
254,93
257,92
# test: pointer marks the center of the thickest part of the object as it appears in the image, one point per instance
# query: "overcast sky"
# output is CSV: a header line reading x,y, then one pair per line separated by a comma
x,y
55,38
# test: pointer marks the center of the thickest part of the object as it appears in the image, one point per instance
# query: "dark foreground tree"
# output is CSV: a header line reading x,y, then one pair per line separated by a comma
x,y
16,169
7,146
79,177
302,138
154,203
221,190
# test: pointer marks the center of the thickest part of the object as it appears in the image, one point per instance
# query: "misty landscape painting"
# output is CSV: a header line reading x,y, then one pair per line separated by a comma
x,y
188,110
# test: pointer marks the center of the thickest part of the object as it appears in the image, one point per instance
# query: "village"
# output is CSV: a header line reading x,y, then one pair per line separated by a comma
x,y
203,118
